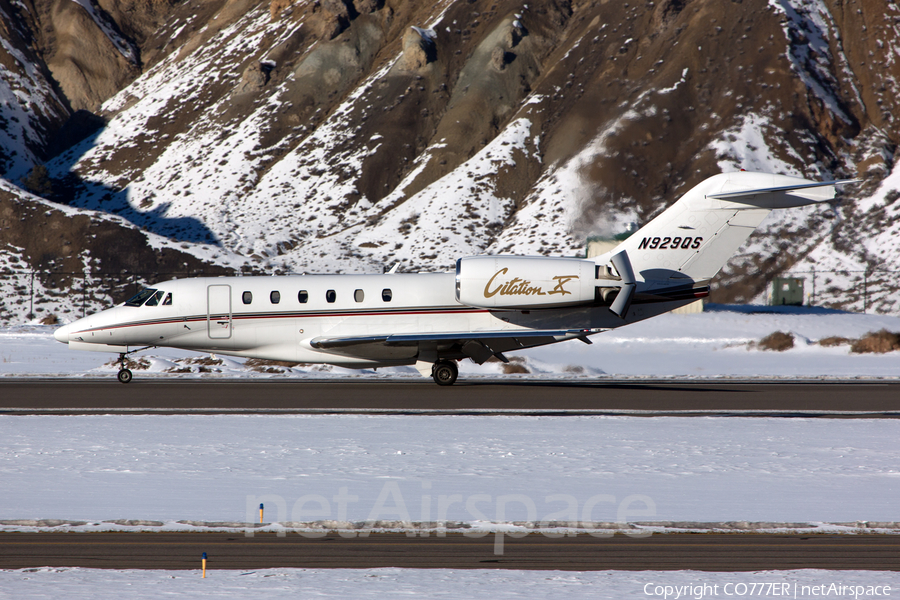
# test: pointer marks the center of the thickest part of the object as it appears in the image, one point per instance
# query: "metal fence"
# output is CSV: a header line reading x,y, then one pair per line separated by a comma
x,y
28,294
853,290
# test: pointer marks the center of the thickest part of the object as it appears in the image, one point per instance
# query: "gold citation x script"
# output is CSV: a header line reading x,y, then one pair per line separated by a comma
x,y
523,287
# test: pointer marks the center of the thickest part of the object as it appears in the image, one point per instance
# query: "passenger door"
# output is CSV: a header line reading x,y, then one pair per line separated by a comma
x,y
218,315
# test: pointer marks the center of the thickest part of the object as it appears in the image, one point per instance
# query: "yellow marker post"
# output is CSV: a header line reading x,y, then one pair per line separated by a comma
x,y
260,514
204,565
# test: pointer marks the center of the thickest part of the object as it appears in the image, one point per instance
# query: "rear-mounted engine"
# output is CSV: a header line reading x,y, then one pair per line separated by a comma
x,y
525,282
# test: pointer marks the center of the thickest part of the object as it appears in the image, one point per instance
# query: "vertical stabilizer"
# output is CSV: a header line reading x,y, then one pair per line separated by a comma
x,y
693,238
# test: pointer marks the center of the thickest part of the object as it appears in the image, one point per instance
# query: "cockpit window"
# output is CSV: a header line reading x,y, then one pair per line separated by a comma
x,y
168,300
141,297
155,298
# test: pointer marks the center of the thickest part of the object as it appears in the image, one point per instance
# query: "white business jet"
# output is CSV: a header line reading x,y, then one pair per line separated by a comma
x,y
490,306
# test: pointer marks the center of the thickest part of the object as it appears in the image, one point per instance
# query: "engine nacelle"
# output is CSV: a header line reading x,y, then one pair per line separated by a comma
x,y
524,281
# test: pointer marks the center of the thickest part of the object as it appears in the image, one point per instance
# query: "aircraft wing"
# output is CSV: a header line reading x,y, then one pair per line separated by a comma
x,y
478,345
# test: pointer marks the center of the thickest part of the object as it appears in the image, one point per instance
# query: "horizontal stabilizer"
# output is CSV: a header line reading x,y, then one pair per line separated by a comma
x,y
773,197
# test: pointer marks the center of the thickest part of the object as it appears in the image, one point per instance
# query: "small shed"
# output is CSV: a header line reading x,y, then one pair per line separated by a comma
x,y
787,291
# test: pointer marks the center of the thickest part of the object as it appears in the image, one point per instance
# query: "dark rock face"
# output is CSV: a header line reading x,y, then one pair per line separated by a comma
x,y
253,79
65,247
506,129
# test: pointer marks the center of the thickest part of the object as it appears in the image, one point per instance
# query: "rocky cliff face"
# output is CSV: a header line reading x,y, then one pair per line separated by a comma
x,y
346,136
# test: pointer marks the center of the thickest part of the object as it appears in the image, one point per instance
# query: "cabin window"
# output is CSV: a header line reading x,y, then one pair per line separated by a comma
x,y
386,294
359,295
168,300
330,295
303,296
155,298
140,297
275,297
247,297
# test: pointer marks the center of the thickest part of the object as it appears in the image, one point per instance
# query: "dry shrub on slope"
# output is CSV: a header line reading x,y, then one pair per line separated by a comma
x,y
778,340
877,341
834,340
515,365
263,365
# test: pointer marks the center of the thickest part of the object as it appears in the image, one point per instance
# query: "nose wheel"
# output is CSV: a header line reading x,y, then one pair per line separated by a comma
x,y
444,372
124,375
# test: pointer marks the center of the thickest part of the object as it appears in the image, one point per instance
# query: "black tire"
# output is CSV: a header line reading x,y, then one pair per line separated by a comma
x,y
444,372
124,376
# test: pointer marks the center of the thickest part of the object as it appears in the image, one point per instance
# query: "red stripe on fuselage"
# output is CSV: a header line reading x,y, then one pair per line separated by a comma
x,y
286,315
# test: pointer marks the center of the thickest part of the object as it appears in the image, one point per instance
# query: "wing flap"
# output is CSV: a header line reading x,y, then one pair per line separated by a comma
x,y
404,339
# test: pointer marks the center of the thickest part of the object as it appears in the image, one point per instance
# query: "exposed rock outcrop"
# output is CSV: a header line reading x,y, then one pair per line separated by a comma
x,y
279,6
419,48
513,127
253,79
89,56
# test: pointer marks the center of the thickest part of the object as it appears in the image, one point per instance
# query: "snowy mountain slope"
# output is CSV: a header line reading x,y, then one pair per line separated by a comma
x,y
347,136
79,258
30,107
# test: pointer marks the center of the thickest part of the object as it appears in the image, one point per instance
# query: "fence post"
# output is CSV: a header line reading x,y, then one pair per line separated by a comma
x,y
812,301
865,291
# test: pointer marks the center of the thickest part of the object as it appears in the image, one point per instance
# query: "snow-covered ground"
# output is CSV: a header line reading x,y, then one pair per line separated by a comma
x,y
715,343
498,474
476,470
352,471
363,584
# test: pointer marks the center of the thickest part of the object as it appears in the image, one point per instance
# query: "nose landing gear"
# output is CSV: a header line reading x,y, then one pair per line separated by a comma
x,y
124,375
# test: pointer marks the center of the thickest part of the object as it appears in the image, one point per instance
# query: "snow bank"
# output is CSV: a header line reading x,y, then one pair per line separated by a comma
x,y
352,471
475,584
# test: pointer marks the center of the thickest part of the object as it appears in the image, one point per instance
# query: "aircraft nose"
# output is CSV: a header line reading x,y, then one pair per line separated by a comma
x,y
62,334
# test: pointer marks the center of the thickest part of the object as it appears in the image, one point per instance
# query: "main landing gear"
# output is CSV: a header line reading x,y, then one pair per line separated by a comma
x,y
124,376
444,372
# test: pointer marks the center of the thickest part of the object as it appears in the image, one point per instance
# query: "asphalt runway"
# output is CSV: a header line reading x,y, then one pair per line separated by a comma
x,y
867,399
669,551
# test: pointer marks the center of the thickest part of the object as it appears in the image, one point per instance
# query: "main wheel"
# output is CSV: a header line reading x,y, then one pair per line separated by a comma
x,y
444,372
124,376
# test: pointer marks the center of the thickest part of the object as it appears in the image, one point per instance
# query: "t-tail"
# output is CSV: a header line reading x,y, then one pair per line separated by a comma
x,y
682,249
